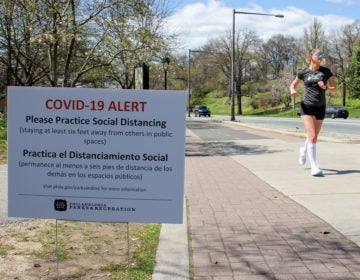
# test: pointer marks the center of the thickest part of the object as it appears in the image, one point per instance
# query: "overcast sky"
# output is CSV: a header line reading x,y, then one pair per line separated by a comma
x,y
197,21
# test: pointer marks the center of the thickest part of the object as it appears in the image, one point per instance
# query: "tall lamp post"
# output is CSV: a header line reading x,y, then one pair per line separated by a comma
x,y
233,56
165,62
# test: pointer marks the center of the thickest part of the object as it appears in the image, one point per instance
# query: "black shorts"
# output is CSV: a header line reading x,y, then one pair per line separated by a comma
x,y
318,112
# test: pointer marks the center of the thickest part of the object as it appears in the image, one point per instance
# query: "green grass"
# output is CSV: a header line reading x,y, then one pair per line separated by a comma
x,y
221,105
143,260
353,106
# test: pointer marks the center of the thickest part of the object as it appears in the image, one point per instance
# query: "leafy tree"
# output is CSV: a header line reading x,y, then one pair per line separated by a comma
x,y
355,70
246,43
137,37
282,85
65,42
279,50
5,43
314,37
21,55
341,50
205,76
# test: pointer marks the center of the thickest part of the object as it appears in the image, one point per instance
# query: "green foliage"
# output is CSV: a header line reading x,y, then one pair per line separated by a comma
x,y
353,106
85,42
3,141
259,105
217,101
355,71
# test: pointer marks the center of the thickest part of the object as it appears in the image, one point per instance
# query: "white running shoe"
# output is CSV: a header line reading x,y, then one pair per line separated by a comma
x,y
316,172
302,156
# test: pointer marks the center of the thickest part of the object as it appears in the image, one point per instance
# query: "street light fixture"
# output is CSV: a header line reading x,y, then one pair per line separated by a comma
x,y
233,56
165,62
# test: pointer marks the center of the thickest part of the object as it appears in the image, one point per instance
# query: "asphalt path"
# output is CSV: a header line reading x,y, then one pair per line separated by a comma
x,y
213,131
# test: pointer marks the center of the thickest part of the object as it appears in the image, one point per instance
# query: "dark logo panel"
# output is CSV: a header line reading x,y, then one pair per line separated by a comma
x,y
60,205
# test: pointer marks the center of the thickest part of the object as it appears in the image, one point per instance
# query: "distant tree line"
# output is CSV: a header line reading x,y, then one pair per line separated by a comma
x,y
277,59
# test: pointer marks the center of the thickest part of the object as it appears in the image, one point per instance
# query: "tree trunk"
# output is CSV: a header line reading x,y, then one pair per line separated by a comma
x,y
239,101
343,93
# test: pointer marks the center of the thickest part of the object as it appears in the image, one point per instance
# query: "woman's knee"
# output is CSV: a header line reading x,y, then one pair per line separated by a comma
x,y
312,138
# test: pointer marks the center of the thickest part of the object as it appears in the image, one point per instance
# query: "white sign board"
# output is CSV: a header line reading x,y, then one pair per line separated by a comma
x,y
96,154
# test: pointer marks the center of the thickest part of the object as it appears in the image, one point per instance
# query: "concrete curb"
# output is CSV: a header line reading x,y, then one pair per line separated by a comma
x,y
350,139
172,257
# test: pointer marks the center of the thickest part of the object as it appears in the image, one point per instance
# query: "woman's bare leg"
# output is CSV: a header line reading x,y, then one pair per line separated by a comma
x,y
312,126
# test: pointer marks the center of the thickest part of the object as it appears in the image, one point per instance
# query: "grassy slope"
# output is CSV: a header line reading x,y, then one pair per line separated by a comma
x,y
222,106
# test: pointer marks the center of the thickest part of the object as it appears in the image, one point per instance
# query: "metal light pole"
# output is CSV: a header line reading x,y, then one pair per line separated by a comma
x,y
233,57
165,62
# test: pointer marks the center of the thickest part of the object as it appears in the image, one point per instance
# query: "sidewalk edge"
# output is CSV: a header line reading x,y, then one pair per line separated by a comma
x,y
172,256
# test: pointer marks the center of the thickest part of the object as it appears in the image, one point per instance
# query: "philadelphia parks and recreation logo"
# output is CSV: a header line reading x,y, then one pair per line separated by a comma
x,y
60,205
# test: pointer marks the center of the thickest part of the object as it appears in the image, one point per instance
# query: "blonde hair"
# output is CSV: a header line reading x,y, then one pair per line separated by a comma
x,y
311,52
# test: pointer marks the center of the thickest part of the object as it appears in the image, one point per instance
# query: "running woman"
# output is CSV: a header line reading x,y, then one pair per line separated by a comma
x,y
312,108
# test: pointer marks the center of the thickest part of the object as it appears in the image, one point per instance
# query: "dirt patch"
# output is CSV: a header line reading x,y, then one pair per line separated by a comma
x,y
85,250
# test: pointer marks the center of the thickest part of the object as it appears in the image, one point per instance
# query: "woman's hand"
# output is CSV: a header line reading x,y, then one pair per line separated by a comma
x,y
322,85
